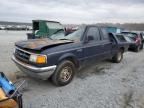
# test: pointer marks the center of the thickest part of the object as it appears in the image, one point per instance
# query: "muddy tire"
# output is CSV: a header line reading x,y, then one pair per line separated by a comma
x,y
118,57
138,48
64,73
141,46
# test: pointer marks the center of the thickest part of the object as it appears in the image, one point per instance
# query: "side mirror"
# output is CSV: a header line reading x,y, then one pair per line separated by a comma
x,y
90,38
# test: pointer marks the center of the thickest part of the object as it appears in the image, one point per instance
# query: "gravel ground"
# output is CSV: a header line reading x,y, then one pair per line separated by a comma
x,y
7,40
102,85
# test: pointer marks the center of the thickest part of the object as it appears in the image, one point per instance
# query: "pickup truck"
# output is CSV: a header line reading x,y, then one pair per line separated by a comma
x,y
59,57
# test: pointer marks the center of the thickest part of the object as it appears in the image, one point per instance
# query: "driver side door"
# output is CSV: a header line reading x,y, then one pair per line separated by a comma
x,y
93,47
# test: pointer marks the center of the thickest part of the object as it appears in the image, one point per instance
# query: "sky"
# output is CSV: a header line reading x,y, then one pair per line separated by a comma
x,y
73,11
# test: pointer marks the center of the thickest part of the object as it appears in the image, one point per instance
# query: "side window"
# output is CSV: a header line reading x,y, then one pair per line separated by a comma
x,y
104,33
93,34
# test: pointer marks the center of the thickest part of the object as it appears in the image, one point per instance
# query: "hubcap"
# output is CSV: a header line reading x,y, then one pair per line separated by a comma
x,y
65,74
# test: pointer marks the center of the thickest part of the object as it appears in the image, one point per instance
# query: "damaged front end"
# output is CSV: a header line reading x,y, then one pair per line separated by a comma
x,y
28,57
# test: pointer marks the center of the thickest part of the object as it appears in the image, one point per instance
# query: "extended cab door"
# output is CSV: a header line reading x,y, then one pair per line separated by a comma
x,y
93,47
107,44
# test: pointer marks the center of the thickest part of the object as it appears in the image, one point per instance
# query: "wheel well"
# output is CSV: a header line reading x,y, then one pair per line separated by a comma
x,y
122,49
73,60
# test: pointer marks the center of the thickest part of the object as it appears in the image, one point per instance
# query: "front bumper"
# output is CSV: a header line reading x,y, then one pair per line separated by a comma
x,y
36,72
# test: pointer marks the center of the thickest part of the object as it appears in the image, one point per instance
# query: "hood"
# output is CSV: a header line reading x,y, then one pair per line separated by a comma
x,y
39,44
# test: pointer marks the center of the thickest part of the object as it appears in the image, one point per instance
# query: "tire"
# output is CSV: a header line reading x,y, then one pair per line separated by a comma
x,y
141,46
118,57
137,48
64,73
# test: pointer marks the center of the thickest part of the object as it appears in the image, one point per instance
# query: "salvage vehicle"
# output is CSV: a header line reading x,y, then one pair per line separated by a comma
x,y
60,56
44,28
69,30
137,40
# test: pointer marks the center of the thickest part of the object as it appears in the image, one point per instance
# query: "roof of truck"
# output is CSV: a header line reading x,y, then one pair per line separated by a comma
x,y
47,21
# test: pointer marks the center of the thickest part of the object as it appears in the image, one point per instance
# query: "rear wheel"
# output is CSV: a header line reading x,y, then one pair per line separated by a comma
x,y
118,57
138,48
64,73
141,46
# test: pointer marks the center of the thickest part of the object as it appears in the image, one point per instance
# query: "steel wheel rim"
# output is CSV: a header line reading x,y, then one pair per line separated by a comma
x,y
65,74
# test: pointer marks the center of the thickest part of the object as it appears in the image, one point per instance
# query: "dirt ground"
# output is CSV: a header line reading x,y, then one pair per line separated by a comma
x,y
102,85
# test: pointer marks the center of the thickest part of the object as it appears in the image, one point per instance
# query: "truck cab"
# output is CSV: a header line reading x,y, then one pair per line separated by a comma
x,y
44,29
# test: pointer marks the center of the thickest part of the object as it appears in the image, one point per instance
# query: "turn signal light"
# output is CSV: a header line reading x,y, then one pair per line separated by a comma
x,y
41,59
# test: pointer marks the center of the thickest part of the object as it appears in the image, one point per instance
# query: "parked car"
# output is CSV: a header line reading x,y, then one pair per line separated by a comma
x,y
137,40
70,30
60,56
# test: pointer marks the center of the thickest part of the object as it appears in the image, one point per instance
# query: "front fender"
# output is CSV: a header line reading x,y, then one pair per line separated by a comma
x,y
69,56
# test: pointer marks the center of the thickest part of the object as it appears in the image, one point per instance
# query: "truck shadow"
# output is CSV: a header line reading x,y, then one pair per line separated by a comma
x,y
32,84
99,68
35,86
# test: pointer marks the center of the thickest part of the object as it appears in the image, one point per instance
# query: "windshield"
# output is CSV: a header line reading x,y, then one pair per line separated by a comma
x,y
73,36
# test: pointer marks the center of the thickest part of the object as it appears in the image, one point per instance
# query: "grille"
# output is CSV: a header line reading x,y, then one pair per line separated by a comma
x,y
22,55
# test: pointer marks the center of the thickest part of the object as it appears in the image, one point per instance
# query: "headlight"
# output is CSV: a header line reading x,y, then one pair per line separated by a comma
x,y
40,59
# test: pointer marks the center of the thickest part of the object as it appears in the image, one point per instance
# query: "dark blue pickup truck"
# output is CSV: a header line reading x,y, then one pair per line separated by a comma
x,y
60,56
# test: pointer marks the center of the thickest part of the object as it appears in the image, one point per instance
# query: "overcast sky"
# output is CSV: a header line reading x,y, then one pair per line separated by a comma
x,y
73,11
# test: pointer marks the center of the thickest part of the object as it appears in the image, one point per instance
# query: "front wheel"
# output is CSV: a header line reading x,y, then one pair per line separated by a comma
x,y
118,57
64,73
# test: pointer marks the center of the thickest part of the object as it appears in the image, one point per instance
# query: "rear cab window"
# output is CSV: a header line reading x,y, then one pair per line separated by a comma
x,y
121,38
